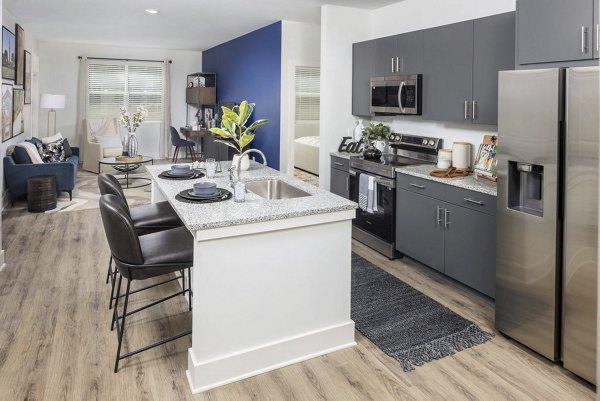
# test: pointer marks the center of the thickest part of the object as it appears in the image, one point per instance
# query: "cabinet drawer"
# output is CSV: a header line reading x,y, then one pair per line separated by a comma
x,y
471,199
420,186
339,163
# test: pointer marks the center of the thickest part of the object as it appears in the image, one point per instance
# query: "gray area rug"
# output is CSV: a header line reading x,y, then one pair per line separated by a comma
x,y
405,323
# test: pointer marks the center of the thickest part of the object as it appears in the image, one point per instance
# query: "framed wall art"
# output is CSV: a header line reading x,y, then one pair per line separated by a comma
x,y
18,112
20,54
8,54
27,77
7,111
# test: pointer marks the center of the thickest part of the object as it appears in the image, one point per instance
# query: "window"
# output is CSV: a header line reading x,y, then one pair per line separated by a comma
x,y
113,84
308,97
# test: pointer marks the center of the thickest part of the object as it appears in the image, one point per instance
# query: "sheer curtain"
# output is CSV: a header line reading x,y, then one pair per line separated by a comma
x,y
165,136
82,99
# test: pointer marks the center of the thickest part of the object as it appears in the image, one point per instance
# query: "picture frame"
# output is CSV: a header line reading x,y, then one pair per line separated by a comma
x,y
486,161
27,77
20,54
7,111
8,54
18,112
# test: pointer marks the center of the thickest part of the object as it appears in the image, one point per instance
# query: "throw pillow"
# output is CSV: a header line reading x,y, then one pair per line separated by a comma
x,y
53,152
34,140
21,156
32,151
67,148
109,141
52,138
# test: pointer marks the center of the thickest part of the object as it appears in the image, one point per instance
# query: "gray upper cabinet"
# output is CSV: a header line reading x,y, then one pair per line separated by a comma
x,y
410,53
363,61
386,53
448,72
420,233
493,51
555,30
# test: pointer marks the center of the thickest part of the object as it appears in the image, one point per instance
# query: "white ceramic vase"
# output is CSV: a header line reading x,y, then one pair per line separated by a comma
x,y
360,126
245,162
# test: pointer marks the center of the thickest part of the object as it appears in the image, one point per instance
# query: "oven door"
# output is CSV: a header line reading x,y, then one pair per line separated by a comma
x,y
380,223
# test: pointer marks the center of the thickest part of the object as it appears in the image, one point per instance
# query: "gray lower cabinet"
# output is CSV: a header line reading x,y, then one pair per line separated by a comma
x,y
339,177
448,72
450,229
470,248
555,30
419,232
493,51
363,62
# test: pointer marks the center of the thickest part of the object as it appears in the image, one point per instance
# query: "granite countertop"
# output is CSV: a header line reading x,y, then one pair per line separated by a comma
x,y
343,155
471,182
255,209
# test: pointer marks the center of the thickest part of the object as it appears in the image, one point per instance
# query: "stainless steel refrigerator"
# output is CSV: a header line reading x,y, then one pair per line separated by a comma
x,y
547,213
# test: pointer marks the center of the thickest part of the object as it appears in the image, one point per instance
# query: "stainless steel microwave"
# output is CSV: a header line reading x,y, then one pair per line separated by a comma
x,y
398,94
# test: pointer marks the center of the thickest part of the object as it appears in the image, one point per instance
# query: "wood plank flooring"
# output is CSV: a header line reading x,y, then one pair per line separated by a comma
x,y
55,342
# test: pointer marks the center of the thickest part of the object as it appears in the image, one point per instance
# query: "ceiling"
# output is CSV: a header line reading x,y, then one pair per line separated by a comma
x,y
180,24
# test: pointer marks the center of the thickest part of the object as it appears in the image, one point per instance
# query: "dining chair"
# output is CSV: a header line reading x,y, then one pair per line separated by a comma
x,y
178,142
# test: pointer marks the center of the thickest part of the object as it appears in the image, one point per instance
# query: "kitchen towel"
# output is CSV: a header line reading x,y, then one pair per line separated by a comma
x,y
367,193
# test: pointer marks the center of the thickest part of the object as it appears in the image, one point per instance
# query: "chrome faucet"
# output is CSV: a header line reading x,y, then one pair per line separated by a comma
x,y
231,169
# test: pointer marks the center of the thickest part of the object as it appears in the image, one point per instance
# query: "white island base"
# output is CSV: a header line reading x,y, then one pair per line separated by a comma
x,y
268,294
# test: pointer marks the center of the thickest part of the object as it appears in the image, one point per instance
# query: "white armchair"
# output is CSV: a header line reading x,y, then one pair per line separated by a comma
x,y
102,139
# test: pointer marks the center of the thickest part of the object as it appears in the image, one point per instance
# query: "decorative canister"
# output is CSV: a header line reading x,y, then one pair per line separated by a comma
x,y
444,158
461,155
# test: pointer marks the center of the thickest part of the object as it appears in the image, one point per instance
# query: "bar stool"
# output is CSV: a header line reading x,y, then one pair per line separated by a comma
x,y
146,219
140,258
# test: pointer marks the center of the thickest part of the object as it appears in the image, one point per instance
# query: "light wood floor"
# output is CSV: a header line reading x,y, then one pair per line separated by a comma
x,y
55,342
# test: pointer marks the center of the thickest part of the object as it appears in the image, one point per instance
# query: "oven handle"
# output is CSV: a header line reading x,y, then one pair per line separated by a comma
x,y
379,180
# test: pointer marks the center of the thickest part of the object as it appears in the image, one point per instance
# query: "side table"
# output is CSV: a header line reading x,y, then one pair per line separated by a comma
x,y
41,193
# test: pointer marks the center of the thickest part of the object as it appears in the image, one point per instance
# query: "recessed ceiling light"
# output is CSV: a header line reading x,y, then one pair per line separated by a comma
x,y
151,11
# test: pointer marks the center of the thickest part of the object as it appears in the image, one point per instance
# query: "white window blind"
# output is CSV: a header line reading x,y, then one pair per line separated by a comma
x,y
113,84
308,96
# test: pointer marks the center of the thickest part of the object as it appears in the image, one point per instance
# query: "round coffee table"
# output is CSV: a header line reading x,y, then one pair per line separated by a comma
x,y
125,167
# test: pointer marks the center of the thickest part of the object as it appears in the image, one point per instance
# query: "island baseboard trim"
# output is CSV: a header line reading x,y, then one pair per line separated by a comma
x,y
203,376
273,225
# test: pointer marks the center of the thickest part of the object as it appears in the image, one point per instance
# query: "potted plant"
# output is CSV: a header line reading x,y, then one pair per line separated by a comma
x,y
234,132
371,134
131,122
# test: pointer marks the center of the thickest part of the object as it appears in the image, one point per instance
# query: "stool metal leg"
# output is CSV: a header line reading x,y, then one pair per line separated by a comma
x,y
121,329
112,324
109,269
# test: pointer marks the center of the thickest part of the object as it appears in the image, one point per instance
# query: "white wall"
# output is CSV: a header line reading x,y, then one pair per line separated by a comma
x,y
59,69
405,16
340,27
300,46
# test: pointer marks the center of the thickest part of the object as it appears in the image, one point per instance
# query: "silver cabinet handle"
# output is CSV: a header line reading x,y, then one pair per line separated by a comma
x,y
417,186
397,65
597,37
393,65
338,163
446,218
474,110
466,109
584,39
439,219
480,203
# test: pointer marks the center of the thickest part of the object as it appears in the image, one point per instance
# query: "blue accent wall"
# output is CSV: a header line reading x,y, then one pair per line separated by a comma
x,y
249,68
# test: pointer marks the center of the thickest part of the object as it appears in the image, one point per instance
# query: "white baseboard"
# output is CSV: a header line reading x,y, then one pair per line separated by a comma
x,y
209,374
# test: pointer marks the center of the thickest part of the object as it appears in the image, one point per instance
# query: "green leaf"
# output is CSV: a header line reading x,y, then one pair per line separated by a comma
x,y
220,132
231,115
228,143
245,140
226,124
246,110
256,124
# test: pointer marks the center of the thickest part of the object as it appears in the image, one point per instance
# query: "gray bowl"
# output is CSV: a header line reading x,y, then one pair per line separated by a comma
x,y
180,169
205,188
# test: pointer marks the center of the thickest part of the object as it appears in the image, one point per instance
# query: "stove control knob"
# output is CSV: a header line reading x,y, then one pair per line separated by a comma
x,y
431,142
424,141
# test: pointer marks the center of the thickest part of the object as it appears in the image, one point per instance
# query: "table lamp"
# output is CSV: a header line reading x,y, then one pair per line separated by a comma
x,y
52,102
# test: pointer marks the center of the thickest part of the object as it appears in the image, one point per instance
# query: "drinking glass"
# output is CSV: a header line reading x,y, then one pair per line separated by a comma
x,y
211,167
239,192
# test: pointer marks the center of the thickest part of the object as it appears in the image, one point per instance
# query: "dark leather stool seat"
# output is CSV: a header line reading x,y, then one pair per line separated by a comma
x,y
142,257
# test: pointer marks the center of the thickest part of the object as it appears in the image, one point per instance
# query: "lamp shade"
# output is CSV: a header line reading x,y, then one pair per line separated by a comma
x,y
49,101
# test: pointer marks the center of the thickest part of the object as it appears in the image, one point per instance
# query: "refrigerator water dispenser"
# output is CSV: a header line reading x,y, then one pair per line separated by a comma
x,y
525,183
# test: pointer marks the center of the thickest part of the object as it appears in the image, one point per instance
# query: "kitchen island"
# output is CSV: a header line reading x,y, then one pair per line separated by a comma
x,y
271,278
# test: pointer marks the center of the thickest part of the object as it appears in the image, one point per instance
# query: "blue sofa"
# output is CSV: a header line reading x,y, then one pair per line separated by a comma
x,y
16,175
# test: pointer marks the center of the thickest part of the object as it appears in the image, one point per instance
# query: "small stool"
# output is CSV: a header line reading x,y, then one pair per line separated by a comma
x,y
41,193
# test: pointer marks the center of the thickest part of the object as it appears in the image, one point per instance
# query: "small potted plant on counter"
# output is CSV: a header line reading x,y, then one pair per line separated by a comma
x,y
233,131
371,134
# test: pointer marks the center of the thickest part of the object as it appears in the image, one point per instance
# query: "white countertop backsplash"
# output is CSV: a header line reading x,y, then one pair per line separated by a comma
x,y
197,216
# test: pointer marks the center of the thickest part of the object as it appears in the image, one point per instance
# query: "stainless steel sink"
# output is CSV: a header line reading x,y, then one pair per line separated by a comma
x,y
275,189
